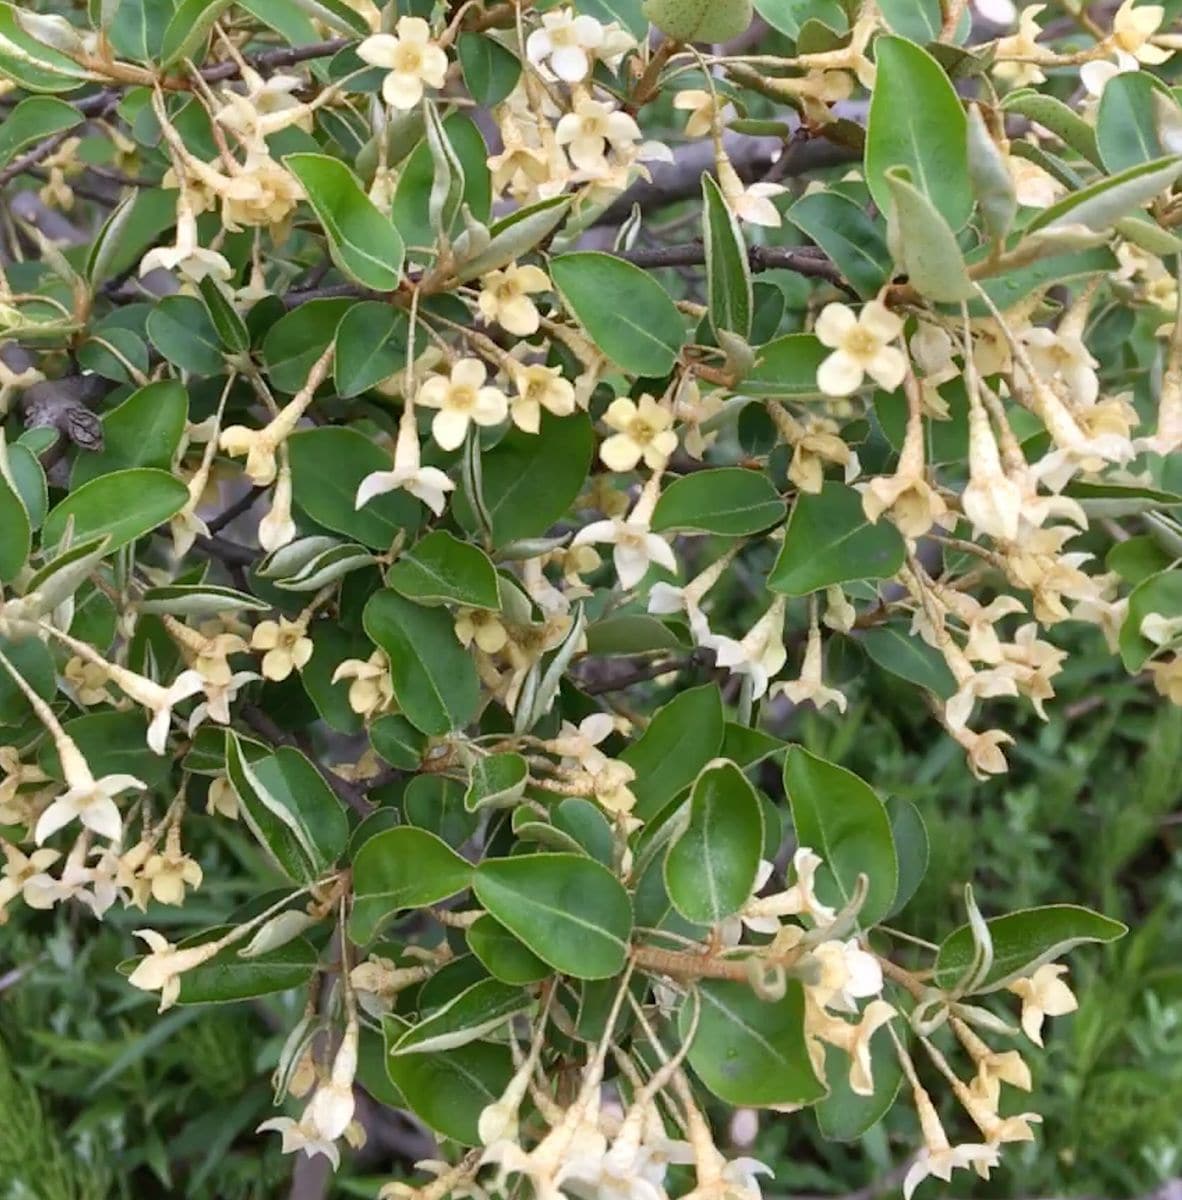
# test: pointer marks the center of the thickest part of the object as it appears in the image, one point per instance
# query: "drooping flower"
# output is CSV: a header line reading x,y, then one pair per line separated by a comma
x,y
89,800
1044,994
428,484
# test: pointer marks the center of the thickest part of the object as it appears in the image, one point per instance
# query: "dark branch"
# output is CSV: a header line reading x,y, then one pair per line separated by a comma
x,y
803,260
271,59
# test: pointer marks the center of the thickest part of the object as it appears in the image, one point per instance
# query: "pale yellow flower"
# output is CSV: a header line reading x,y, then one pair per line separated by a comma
x,y
484,628
413,60
1044,994
861,346
591,129
1132,27
222,798
1167,678
170,872
505,298
539,387
462,400
644,431
287,646
705,110
568,43
370,689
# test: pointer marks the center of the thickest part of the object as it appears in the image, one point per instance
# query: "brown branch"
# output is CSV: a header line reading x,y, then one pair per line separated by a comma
x,y
98,106
803,260
271,59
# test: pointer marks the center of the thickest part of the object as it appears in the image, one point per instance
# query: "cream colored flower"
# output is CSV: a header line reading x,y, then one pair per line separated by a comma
x,y
811,685
505,298
567,43
644,431
1132,27
847,973
170,873
428,484
413,60
371,690
287,645
19,870
462,400
222,798
259,192
861,346
1034,187
937,1157
89,680
161,969
89,800
15,775
1167,678
484,628
591,129
278,527
705,111
635,546
1021,45
1044,994
539,387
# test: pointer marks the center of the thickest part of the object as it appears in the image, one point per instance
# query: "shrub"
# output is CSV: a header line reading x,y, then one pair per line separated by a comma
x,y
380,475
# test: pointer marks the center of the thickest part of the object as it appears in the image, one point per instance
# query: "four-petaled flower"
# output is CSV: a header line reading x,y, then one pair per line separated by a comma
x,y
462,399
413,60
861,346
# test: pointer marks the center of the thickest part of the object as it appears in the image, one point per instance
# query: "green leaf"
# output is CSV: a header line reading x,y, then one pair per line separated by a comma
x,y
31,658
476,1011
728,271
896,650
496,781
229,325
786,368
198,600
113,743
628,14
16,536
1126,128
327,466
31,63
624,310
829,540
916,121
788,15
699,20
1101,204
227,977
436,804
144,431
729,501
188,31
569,910
371,346
631,633
503,956
289,808
923,244
363,243
123,504
912,846
839,817
434,677
1024,941
181,329
442,568
34,119
711,864
490,71
679,741
1161,593
448,1091
1136,558
398,742
855,242
27,477
298,339
1064,122
402,868
332,645
513,236
921,20
529,481
748,1051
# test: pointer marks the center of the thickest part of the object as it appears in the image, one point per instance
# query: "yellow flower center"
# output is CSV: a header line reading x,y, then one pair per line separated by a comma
x,y
408,58
861,343
641,431
462,398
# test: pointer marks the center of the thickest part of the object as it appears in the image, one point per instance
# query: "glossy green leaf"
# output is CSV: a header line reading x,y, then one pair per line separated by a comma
x,y
829,540
371,346
895,649
924,247
181,329
1101,204
786,368
402,868
227,976
912,846
680,740
124,505
728,271
503,956
1023,941
143,431
434,677
855,242
31,659
490,71
297,340
843,1115
34,118
496,781
748,1051
225,317
16,536
1126,125
570,911
363,243
1064,122
440,567
188,31
730,501
477,1011
448,1091
839,817
916,121
529,480
398,742
624,310
711,863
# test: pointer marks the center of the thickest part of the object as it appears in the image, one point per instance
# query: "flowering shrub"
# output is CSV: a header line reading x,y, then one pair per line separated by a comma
x,y
446,439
